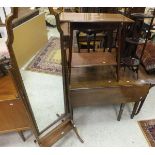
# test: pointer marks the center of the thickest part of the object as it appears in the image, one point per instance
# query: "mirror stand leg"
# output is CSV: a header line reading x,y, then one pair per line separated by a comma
x,y
76,132
22,135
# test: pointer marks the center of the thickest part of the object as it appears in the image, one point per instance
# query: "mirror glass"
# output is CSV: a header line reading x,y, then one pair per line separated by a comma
x,y
38,54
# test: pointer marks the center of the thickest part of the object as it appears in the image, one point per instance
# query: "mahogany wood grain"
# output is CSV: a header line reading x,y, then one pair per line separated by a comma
x,y
93,59
13,116
97,85
93,17
109,95
56,134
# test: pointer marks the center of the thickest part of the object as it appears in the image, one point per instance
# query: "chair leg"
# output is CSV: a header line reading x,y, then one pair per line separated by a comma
x,y
120,111
21,135
94,42
94,48
137,73
79,47
77,36
124,68
88,46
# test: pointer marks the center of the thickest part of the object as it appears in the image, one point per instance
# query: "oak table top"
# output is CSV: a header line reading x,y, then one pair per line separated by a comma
x,y
93,17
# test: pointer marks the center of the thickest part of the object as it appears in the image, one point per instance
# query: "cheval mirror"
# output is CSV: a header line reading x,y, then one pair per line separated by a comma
x,y
39,71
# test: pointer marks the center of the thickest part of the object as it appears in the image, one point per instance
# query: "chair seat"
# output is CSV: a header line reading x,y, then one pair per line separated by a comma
x,y
136,41
130,61
93,59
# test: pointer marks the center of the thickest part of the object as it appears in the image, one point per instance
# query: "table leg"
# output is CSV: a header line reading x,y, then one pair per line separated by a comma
x,y
70,50
120,111
109,40
137,108
134,109
118,52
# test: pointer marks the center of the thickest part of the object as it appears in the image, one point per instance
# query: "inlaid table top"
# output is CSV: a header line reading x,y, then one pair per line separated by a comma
x,y
93,17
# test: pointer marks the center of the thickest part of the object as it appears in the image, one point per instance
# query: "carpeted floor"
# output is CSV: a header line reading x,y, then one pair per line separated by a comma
x,y
48,59
148,129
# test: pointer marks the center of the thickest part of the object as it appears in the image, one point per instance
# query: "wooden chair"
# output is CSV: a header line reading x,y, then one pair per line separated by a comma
x,y
138,36
89,39
85,39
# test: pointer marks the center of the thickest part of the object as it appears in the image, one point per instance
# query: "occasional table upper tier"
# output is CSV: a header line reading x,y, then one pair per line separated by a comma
x,y
93,17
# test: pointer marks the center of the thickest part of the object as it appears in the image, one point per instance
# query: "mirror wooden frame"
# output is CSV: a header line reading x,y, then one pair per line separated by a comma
x,y
65,122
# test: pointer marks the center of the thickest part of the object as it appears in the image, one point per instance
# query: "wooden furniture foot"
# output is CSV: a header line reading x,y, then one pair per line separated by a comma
x,y
22,135
76,132
120,111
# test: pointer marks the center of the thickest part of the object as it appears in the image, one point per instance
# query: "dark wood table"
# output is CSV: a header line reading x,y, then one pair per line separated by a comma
x,y
121,92
96,21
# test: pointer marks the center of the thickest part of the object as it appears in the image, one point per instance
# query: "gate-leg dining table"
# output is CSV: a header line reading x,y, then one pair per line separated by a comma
x,y
97,21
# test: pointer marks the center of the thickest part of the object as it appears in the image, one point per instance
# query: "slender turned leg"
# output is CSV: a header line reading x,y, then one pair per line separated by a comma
x,y
117,73
134,109
21,135
120,111
70,51
79,48
137,108
78,43
94,42
69,73
110,40
140,106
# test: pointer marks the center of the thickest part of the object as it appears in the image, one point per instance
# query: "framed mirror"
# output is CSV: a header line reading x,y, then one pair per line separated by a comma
x,y
39,69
